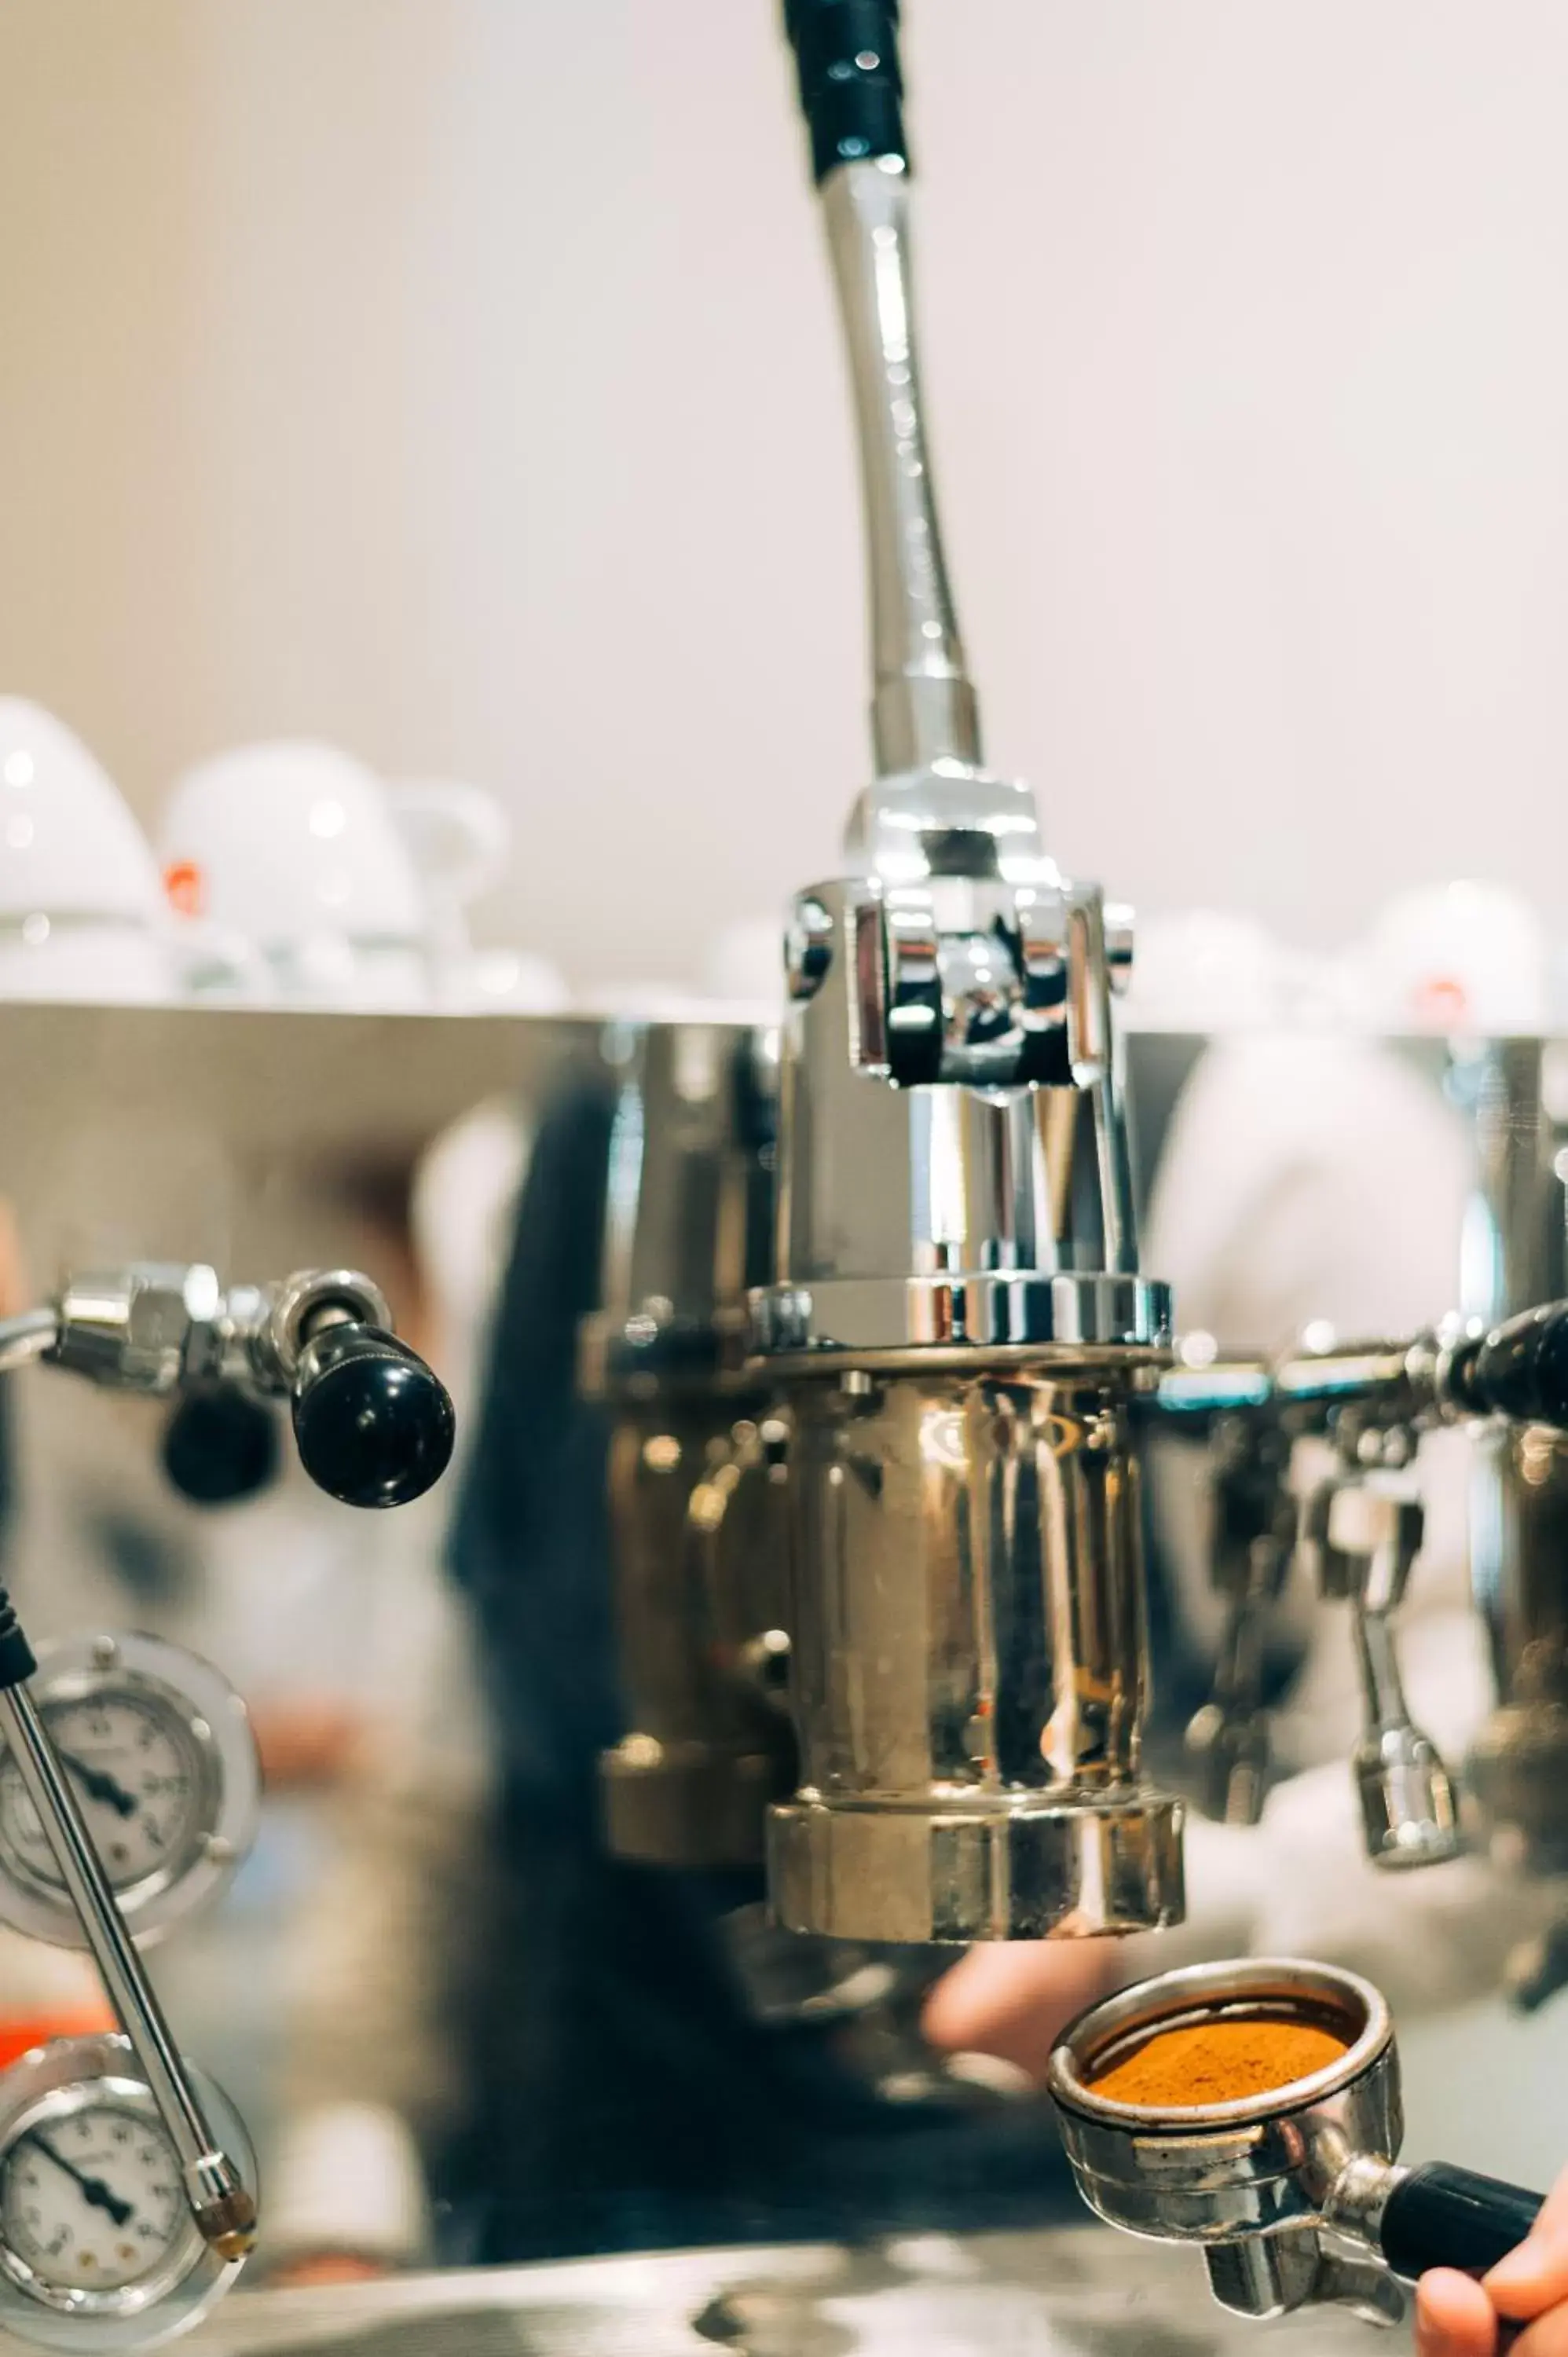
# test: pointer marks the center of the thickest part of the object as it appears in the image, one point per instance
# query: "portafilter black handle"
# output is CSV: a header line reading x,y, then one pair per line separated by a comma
x,y
1518,1370
1440,2216
846,58
373,1424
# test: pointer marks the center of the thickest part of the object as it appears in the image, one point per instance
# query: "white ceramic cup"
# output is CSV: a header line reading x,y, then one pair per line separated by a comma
x,y
106,961
1205,970
460,840
295,846
68,844
1470,956
459,834
83,914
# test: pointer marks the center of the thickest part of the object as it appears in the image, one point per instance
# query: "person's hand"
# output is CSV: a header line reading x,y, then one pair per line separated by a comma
x,y
1013,1999
1455,2317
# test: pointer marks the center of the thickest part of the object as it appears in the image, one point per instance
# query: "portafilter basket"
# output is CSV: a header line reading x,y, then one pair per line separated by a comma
x,y
1296,2193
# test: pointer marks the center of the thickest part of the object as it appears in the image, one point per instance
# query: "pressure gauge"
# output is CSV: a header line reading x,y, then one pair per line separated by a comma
x,y
98,2247
160,1755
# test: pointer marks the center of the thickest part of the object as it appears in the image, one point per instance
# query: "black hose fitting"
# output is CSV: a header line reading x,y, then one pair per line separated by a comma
x,y
846,57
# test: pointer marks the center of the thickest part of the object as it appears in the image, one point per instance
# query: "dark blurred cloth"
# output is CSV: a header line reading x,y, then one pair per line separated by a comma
x,y
622,2096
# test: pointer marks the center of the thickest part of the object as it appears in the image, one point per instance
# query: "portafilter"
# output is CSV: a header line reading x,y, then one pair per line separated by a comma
x,y
1296,2193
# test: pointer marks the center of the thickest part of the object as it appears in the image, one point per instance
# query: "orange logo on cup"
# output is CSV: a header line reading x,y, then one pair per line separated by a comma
x,y
186,887
1441,998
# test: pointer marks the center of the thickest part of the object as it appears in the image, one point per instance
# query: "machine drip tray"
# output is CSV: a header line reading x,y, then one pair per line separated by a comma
x,y
1069,2293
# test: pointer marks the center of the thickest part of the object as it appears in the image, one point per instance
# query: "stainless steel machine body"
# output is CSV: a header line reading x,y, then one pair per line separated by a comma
x,y
1516,1253
1364,1530
1361,1530
695,1454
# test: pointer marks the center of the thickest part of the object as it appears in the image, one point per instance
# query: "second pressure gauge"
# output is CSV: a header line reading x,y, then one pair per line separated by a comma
x,y
98,2252
159,1751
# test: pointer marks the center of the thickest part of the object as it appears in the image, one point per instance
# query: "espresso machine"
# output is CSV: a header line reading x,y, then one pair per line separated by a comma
x,y
892,1246
909,1309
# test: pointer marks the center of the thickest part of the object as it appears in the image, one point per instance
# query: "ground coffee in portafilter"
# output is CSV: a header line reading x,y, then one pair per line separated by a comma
x,y
1220,2061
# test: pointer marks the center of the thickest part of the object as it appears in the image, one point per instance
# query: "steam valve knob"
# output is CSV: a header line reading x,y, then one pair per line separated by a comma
x,y
375,1426
1518,1370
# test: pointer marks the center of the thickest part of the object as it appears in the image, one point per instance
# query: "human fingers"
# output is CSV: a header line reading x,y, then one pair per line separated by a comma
x,y
1454,2317
1534,2278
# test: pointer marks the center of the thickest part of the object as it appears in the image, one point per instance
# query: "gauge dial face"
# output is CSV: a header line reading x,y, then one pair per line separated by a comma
x,y
92,2201
137,1776
157,1751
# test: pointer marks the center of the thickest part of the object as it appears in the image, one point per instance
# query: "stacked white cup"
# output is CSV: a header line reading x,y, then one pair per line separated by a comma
x,y
354,893
83,914
293,846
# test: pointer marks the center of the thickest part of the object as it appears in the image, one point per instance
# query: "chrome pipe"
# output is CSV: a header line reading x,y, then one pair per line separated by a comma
x,y
27,1338
924,708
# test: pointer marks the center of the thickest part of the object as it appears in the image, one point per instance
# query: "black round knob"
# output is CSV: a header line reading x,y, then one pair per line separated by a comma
x,y
375,1427
1521,1370
219,1447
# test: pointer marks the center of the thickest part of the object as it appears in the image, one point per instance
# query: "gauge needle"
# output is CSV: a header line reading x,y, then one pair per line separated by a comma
x,y
93,2189
100,1786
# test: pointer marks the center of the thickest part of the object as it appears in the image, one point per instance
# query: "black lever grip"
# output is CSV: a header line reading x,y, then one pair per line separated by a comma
x,y
1518,1370
846,58
1440,2216
375,1426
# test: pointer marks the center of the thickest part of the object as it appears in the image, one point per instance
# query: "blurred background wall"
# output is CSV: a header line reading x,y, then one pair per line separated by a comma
x,y
457,379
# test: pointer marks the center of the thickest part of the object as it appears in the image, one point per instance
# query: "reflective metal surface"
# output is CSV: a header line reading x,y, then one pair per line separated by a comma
x,y
249,1140
695,1459
1079,2292
969,1660
282,1139
958,1329
1519,1514
689,1201
698,1534
924,709
956,1322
